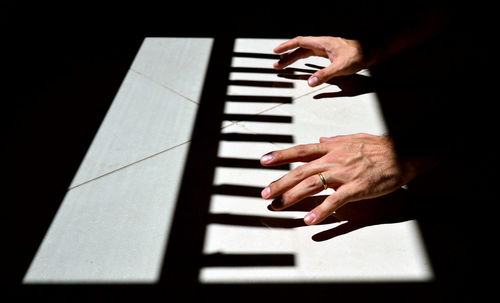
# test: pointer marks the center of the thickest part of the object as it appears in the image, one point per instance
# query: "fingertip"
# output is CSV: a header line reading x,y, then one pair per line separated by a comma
x,y
266,193
313,81
266,159
311,218
322,211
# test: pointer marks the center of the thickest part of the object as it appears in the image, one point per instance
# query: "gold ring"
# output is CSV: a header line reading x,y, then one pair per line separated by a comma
x,y
323,180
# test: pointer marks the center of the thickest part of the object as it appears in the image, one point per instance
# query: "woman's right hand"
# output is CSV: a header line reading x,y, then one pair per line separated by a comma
x,y
346,56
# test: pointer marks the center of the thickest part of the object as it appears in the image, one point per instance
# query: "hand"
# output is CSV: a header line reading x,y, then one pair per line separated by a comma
x,y
346,56
357,167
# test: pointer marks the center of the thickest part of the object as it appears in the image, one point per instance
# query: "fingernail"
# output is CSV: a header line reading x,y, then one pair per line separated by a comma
x,y
266,192
310,218
266,158
313,81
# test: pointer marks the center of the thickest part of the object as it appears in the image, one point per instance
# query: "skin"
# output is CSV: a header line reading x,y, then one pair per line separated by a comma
x,y
357,167
346,56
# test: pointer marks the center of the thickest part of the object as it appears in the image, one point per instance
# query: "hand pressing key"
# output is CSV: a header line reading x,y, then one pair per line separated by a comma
x,y
357,167
346,56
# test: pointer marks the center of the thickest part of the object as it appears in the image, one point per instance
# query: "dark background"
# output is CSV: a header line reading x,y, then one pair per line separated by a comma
x,y
62,66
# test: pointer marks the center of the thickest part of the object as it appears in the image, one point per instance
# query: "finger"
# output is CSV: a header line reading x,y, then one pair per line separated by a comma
x,y
354,138
343,195
326,139
291,57
287,45
298,153
288,181
323,75
299,41
307,187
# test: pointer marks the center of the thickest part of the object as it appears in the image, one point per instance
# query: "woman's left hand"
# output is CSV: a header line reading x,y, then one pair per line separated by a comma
x,y
357,167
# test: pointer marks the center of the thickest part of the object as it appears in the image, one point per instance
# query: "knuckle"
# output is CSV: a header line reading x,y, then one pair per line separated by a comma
x,y
288,198
326,159
299,172
312,182
301,150
333,203
322,73
301,41
362,135
341,160
343,174
351,147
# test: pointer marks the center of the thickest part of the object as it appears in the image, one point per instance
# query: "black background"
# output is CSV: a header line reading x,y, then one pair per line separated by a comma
x,y
62,66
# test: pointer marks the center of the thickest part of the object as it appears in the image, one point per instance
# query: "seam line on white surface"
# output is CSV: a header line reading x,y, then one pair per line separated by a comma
x,y
311,92
163,151
128,165
293,99
143,159
163,85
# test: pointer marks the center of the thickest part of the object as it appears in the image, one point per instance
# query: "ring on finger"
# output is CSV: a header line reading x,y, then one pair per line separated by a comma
x,y
323,180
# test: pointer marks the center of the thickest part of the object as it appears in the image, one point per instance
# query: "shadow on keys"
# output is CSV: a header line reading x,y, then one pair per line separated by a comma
x,y
350,86
392,208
